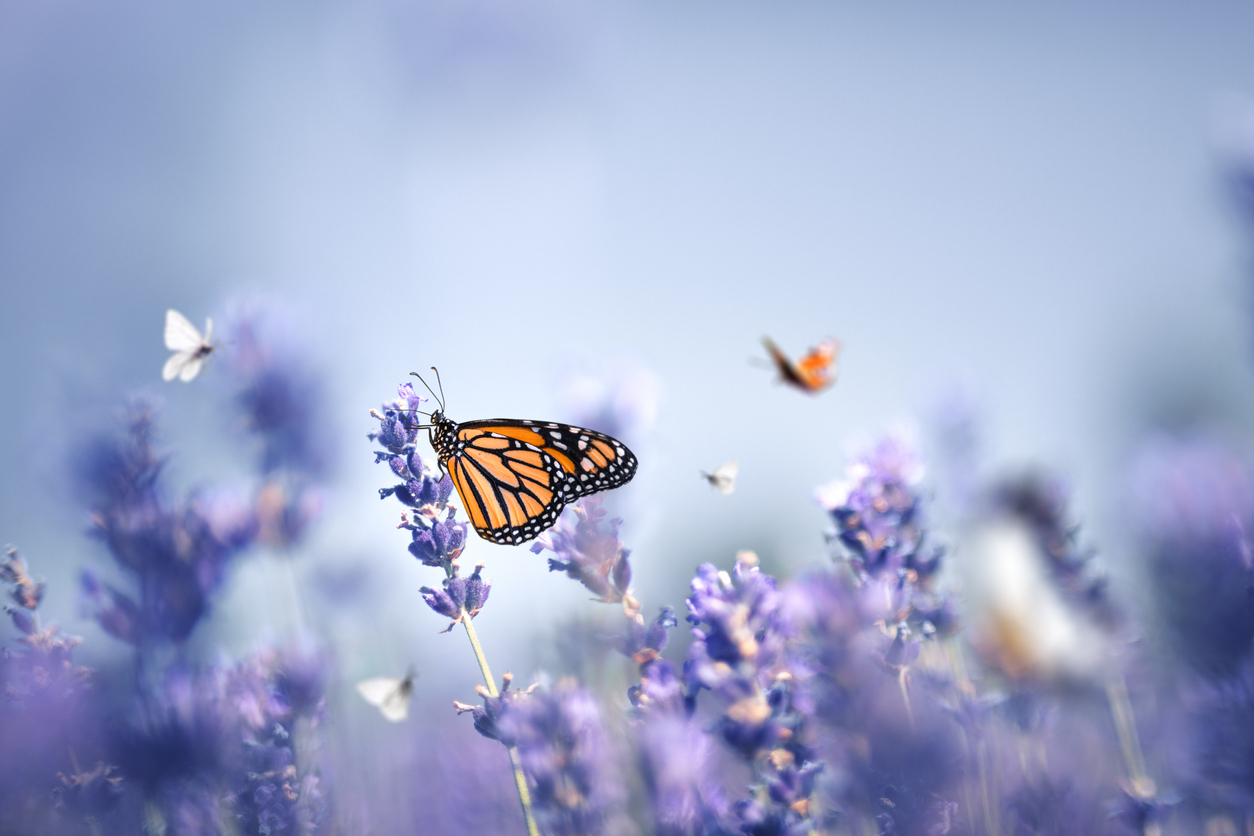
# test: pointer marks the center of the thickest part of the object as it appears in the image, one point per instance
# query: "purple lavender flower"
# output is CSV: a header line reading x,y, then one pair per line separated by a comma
x,y
643,643
224,741
45,718
460,597
589,551
738,627
495,718
883,733
438,543
437,536
878,513
563,749
278,393
677,764
1222,713
740,644
176,553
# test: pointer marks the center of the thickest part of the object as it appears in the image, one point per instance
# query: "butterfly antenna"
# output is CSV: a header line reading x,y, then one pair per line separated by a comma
x,y
432,391
439,383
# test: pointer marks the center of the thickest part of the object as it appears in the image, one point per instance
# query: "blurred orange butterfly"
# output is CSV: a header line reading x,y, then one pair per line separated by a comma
x,y
814,372
514,477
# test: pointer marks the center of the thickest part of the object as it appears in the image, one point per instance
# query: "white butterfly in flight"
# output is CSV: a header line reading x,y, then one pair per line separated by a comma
x,y
389,694
724,477
189,347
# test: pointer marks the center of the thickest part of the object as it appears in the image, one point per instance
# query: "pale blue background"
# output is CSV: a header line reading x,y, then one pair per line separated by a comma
x,y
1023,200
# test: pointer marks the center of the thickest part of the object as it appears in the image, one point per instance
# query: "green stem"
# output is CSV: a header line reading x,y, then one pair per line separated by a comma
x,y
1129,741
520,780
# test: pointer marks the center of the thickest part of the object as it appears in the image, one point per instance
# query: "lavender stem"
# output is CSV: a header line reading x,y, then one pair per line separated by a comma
x,y
520,780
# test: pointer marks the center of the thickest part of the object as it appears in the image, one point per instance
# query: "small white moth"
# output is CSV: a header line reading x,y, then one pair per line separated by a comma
x,y
724,477
389,694
189,347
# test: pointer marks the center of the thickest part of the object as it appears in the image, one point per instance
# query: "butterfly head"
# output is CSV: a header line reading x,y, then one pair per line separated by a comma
x,y
443,435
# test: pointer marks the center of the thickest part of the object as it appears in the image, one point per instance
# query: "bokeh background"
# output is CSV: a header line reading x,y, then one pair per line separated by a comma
x,y
1020,213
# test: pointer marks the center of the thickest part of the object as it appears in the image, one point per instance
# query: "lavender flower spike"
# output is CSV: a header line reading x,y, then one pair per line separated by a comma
x,y
877,512
588,550
437,536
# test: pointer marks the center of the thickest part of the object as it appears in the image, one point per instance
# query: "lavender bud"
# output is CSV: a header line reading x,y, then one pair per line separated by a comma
x,y
394,434
440,601
477,590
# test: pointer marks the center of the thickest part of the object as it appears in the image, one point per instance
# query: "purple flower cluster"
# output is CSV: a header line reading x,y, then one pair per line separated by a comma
x,y
589,551
740,653
460,597
183,753
175,552
277,395
46,717
1195,501
437,537
562,747
224,742
878,514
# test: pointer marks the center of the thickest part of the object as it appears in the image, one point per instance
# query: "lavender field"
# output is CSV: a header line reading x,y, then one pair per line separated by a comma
x,y
994,577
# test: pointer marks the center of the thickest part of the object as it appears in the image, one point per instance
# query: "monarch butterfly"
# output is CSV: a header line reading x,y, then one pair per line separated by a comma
x,y
514,477
814,372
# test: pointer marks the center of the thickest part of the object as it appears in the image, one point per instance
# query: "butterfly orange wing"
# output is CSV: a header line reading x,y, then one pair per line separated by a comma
x,y
514,477
813,372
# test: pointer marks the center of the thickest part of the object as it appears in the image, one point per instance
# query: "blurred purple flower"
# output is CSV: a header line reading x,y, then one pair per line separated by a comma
x,y
223,741
677,766
278,393
642,643
176,554
1195,500
45,717
564,753
589,551
1222,712
738,627
882,733
878,514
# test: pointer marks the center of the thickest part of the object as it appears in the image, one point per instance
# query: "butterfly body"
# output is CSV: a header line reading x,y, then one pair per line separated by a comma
x,y
514,476
814,372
